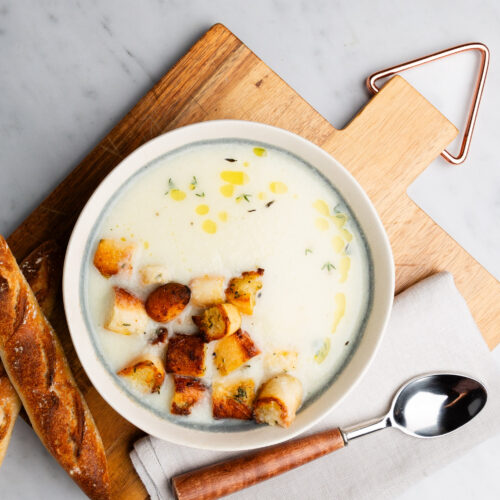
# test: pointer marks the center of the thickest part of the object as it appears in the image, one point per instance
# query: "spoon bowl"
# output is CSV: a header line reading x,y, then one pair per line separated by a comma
x,y
437,404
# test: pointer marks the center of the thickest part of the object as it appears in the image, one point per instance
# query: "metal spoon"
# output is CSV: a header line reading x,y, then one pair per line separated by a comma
x,y
426,406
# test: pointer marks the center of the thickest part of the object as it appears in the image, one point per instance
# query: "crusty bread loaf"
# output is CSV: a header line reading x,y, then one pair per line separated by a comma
x,y
36,365
10,404
43,275
41,272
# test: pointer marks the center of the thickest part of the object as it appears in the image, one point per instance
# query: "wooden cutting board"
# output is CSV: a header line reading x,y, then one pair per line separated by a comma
x,y
385,147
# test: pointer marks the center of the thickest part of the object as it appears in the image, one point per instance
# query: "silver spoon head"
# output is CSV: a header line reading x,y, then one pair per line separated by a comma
x,y
436,404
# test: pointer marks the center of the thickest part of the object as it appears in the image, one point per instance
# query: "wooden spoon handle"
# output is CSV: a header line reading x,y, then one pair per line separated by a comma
x,y
233,475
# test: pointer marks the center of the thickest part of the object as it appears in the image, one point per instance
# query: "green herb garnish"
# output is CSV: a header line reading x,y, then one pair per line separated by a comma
x,y
245,197
201,195
322,352
240,395
194,182
125,324
308,250
328,266
171,185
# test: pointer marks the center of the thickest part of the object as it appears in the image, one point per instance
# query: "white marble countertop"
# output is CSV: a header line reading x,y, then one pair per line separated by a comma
x,y
69,70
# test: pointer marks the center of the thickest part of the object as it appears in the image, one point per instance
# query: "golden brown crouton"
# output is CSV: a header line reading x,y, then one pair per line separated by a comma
x,y
233,399
207,290
167,301
153,275
218,321
113,256
241,291
278,400
186,355
127,314
146,375
188,391
233,351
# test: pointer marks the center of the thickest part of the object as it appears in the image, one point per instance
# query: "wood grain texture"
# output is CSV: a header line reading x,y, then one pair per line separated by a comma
x,y
385,147
233,475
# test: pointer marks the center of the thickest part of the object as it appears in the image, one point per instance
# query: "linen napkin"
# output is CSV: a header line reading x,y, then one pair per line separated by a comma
x,y
431,329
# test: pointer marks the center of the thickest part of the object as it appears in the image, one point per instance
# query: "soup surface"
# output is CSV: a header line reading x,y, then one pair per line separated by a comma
x,y
221,208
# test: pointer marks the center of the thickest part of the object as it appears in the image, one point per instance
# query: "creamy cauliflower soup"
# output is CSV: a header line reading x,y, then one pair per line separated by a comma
x,y
226,280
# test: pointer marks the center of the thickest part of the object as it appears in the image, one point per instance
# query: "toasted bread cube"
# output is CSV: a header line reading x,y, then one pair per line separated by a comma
x,y
161,336
128,314
153,275
188,391
186,355
218,321
146,375
281,361
241,291
233,351
207,290
167,301
113,256
233,399
278,401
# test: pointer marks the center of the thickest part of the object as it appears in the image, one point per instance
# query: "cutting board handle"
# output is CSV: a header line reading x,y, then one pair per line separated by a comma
x,y
392,139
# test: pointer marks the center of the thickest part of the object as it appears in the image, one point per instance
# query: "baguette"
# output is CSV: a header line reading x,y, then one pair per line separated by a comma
x,y
35,363
10,404
40,271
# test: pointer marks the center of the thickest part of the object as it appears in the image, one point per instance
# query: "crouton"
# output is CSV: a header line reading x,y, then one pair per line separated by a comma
x,y
186,355
188,391
207,290
160,337
281,361
241,291
233,399
153,275
146,375
278,400
113,256
167,301
218,321
128,314
233,351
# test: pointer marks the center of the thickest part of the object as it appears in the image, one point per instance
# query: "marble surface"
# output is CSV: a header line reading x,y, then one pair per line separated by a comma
x,y
69,70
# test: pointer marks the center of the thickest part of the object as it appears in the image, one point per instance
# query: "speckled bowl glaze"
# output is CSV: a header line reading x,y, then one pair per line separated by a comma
x,y
374,326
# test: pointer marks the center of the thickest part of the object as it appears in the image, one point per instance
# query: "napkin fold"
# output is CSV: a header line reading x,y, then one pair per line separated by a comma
x,y
431,329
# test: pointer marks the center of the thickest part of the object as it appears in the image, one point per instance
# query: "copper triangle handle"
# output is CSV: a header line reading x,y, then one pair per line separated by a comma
x,y
478,91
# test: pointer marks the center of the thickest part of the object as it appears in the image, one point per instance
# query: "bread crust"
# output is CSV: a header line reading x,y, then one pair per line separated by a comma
x,y
233,351
278,400
167,301
41,273
35,363
218,321
187,392
185,355
233,399
10,404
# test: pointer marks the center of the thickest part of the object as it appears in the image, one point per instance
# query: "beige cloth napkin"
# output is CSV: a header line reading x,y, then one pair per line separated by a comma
x,y
431,329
